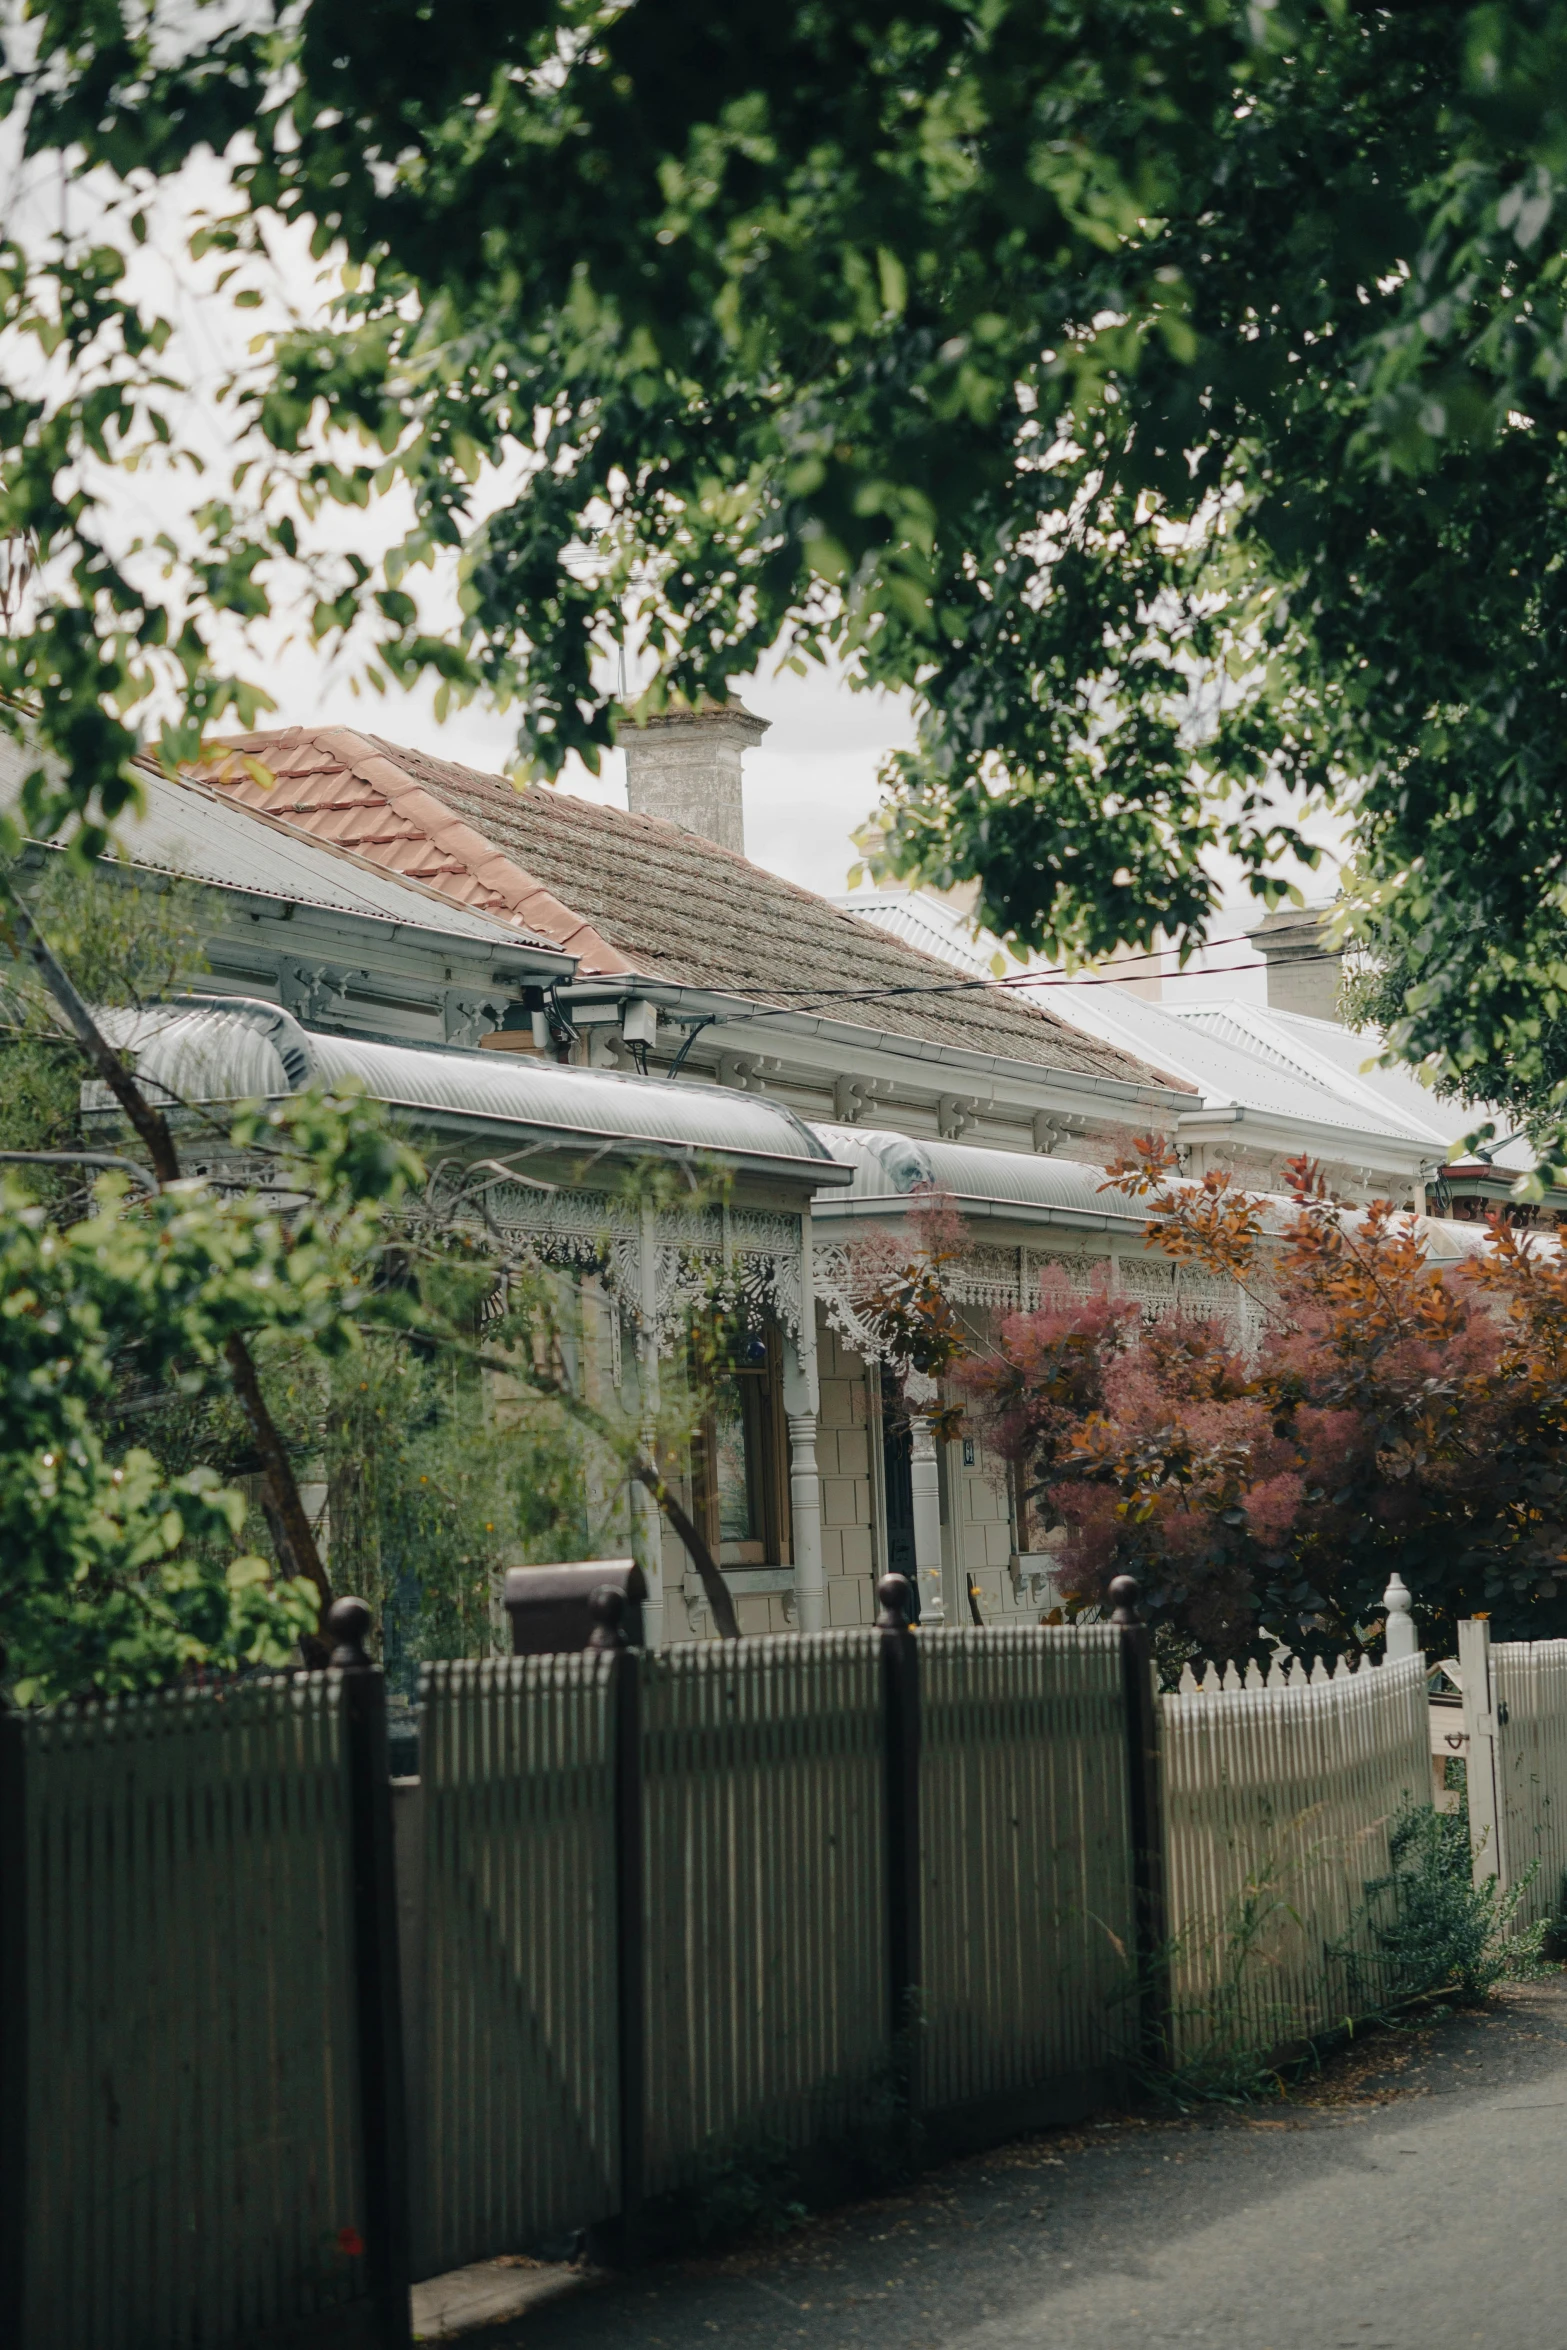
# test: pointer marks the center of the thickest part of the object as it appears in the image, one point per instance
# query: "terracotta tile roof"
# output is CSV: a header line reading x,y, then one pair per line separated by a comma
x,y
342,788
633,893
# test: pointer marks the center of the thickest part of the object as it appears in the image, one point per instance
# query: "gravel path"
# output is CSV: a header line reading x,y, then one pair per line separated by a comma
x,y
1412,2201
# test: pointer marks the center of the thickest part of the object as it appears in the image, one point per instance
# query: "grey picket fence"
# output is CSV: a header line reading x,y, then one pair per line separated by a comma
x,y
664,1914
1515,1716
196,2071
640,1919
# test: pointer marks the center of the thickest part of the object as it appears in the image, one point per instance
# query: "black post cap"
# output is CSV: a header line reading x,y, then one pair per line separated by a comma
x,y
607,1607
897,1603
348,1621
1123,1600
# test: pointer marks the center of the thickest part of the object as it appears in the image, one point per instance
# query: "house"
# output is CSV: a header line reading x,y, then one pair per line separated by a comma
x,y
911,1068
578,990
1271,1081
696,968
695,963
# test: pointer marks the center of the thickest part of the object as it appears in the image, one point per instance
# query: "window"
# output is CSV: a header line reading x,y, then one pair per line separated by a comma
x,y
740,1460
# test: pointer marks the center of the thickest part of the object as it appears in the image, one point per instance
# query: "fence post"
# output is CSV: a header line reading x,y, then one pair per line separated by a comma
x,y
377,1982
608,1606
1485,1794
13,2028
1146,1808
900,1685
1400,1637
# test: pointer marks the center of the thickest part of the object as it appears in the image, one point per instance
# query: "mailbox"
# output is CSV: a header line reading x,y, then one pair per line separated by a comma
x,y
549,1610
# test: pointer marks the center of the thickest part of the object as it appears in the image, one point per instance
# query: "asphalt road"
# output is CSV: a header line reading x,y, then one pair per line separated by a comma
x,y
1414,2200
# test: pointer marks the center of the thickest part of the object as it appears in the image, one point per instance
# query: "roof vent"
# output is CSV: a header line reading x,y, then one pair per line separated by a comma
x,y
685,767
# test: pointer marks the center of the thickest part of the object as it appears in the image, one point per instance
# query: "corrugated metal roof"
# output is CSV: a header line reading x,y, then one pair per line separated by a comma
x,y
1220,1056
891,1166
1328,1053
239,1050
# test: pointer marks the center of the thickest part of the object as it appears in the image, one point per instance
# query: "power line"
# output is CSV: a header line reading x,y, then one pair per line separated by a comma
x,y
824,996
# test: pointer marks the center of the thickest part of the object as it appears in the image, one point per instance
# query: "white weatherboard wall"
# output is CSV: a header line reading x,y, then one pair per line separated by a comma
x,y
1279,1800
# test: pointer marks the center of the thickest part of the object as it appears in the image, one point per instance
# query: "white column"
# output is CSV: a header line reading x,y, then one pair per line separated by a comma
x,y
648,1520
801,1404
925,1478
805,1518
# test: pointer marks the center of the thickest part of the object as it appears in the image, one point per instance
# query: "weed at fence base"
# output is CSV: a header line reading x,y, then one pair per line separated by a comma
x,y
1447,1939
744,2189
1424,1936
1220,2046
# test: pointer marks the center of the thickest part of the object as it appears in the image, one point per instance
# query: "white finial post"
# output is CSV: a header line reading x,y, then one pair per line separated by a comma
x,y
1401,1637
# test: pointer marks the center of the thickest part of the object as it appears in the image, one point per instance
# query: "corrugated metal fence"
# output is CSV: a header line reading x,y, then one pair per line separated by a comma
x,y
1279,1799
181,2074
1026,1896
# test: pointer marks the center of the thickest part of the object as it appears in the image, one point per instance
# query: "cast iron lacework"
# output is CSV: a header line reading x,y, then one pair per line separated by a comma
x,y
1009,1280
839,1295
755,1255
988,1276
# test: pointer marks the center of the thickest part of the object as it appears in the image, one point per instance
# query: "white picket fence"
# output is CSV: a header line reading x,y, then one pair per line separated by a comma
x,y
1280,1793
1515,1712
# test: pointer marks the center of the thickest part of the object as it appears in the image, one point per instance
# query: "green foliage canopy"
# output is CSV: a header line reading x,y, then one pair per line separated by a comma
x,y
126,946
114,1574
1171,399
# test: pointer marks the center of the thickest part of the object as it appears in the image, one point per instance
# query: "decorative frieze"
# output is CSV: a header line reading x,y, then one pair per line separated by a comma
x,y
747,1254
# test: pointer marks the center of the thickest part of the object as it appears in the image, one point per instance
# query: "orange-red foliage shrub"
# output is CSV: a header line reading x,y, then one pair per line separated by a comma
x,y
1395,1415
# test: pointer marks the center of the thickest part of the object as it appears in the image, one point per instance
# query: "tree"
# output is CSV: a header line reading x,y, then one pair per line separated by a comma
x,y
1523,1084
141,1346
1169,399
114,1573
1398,1417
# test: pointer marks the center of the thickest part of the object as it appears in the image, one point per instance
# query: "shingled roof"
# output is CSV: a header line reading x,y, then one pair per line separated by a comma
x,y
632,893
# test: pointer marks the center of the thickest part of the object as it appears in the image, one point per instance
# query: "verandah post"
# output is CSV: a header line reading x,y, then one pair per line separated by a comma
x,y
377,1976
1150,1926
900,1682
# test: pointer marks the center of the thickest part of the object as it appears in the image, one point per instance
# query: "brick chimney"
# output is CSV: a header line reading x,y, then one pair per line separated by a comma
x,y
1302,975
685,766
